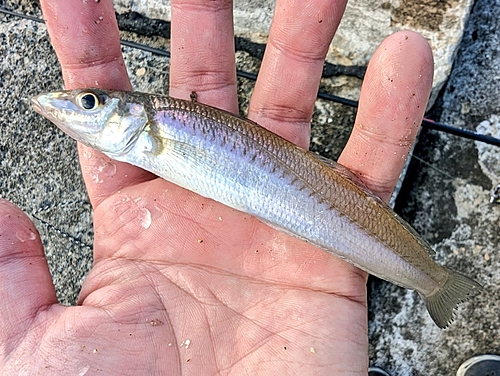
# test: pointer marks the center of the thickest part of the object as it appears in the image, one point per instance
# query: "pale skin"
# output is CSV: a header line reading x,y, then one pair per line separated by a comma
x,y
249,299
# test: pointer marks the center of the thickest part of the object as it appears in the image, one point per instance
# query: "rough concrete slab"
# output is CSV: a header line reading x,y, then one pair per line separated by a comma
x,y
364,26
446,197
38,165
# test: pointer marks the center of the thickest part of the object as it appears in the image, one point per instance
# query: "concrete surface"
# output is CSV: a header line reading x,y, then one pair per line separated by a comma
x,y
365,24
445,194
38,165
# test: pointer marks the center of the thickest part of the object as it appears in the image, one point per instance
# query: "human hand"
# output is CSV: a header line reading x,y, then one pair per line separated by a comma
x,y
182,284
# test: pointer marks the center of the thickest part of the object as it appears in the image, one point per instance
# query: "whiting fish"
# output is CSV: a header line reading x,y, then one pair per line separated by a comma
x,y
242,165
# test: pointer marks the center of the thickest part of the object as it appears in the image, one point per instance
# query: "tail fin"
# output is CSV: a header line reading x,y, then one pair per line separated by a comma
x,y
457,289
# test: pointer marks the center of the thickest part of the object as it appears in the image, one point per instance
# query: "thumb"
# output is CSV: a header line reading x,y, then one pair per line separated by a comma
x,y
25,282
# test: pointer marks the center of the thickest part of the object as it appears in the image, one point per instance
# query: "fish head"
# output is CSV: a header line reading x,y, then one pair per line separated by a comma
x,y
109,121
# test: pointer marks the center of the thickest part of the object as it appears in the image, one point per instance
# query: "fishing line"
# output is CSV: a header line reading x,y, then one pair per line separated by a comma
x,y
430,165
64,234
426,123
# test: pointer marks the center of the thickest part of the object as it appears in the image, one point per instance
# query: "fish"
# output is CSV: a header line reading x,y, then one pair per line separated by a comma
x,y
243,165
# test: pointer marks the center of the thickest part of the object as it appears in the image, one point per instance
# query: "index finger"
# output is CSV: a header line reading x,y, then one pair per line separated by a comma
x,y
86,39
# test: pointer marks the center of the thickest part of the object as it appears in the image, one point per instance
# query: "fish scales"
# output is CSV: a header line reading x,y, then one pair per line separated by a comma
x,y
243,165
343,195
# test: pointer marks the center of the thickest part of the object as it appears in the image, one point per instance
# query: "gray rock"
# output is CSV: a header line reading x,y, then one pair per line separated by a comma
x,y
364,26
447,200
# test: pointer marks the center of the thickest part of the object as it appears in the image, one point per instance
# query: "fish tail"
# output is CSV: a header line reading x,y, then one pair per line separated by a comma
x,y
457,289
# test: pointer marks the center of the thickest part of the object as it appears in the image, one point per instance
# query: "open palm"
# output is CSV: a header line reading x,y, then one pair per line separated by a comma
x,y
182,284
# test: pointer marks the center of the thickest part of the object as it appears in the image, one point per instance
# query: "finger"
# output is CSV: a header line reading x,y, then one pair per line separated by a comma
x,y
393,99
86,39
288,81
203,52
25,283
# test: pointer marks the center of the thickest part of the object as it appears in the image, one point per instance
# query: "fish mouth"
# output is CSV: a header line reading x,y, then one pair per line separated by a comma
x,y
35,102
41,104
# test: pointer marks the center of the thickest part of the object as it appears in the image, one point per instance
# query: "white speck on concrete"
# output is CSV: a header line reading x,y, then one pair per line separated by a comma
x,y
140,72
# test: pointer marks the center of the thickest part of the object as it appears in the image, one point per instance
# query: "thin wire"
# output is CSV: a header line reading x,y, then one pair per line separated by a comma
x,y
20,15
426,123
145,47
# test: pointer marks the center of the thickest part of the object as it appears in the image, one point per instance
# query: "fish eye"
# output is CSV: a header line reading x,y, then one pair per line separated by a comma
x,y
88,101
